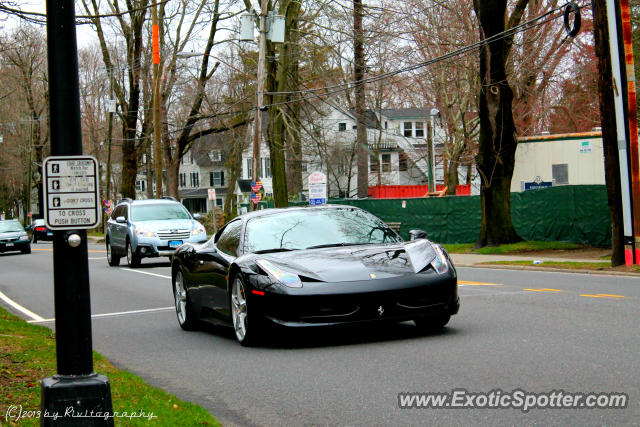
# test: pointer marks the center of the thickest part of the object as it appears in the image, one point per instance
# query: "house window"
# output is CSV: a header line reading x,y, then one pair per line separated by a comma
x,y
560,173
303,166
215,155
249,168
218,202
386,163
354,127
265,167
342,127
419,130
216,179
195,179
408,129
140,185
402,161
183,180
386,125
374,165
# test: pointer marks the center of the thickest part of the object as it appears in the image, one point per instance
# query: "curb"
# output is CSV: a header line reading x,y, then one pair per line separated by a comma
x,y
550,269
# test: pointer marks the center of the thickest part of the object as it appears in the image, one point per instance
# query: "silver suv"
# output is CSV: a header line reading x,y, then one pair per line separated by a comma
x,y
149,228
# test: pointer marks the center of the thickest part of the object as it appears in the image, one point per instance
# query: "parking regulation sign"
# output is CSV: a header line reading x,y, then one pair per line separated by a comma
x,y
70,189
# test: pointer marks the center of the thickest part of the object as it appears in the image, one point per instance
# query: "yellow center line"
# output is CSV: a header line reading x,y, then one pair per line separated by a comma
x,y
51,250
602,296
544,290
467,282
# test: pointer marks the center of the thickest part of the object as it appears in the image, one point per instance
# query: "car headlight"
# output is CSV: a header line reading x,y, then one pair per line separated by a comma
x,y
141,231
288,279
440,263
25,237
198,230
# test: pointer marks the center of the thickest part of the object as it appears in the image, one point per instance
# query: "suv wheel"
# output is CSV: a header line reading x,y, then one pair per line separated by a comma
x,y
112,259
132,258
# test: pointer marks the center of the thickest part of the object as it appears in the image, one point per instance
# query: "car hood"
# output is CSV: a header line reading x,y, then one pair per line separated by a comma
x,y
353,263
167,224
12,234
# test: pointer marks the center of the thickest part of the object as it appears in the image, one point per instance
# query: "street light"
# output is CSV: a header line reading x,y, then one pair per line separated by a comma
x,y
430,149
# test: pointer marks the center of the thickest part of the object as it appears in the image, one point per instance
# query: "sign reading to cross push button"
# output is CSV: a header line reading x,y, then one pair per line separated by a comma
x,y
70,188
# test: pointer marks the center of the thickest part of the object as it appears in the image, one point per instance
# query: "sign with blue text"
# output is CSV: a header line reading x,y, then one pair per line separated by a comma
x,y
70,192
317,188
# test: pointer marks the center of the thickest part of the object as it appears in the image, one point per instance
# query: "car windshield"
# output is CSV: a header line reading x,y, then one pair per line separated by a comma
x,y
8,226
309,228
159,212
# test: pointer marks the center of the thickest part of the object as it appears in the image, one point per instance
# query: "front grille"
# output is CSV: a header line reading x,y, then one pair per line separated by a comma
x,y
177,235
8,240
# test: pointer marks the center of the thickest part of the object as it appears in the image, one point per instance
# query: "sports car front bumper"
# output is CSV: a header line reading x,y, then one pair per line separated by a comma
x,y
397,299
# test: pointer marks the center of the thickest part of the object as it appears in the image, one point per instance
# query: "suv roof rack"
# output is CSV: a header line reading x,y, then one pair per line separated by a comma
x,y
124,199
169,198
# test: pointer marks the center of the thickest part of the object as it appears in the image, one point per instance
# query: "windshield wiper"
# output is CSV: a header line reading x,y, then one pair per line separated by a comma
x,y
333,245
263,251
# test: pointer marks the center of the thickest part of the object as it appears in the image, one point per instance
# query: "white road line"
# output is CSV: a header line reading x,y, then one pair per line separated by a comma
x,y
20,308
119,313
146,272
100,257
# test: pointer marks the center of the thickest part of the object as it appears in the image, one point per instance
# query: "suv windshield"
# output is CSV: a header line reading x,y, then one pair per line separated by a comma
x,y
8,226
300,229
159,212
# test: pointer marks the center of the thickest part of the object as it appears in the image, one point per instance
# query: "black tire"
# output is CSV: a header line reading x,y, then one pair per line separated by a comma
x,y
26,250
184,310
132,258
35,240
252,332
113,260
432,324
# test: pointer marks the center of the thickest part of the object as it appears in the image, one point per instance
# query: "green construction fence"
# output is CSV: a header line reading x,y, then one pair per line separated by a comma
x,y
570,213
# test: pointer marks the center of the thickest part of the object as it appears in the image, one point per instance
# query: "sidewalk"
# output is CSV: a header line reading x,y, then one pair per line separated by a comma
x,y
468,260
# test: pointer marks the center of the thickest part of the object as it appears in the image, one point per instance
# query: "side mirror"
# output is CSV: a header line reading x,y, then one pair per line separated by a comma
x,y
417,234
28,228
197,216
121,220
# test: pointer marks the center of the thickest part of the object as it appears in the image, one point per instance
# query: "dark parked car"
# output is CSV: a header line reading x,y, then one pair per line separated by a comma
x,y
13,237
41,231
309,267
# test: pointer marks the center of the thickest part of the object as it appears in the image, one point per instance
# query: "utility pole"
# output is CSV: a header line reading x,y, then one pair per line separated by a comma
x,y
75,389
257,128
157,140
432,183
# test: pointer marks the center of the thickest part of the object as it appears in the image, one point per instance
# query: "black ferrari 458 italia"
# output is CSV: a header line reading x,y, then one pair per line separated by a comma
x,y
310,267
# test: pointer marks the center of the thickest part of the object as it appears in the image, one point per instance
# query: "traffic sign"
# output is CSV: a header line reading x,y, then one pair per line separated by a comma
x,y
212,193
317,188
70,189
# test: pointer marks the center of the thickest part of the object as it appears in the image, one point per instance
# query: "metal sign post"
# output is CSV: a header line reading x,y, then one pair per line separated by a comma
x,y
75,392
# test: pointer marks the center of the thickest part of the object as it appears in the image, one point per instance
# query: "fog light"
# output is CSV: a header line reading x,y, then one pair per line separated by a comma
x,y
143,250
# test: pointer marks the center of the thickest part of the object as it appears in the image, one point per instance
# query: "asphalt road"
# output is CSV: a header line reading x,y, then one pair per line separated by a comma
x,y
534,331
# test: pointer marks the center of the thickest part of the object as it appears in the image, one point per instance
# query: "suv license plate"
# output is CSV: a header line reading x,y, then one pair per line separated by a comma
x,y
175,243
50,233
9,245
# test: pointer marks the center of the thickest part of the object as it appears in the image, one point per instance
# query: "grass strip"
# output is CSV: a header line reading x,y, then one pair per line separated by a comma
x,y
28,354
512,248
568,265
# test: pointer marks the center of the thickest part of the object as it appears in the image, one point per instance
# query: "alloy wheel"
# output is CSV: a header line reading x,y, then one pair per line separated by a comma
x,y
239,308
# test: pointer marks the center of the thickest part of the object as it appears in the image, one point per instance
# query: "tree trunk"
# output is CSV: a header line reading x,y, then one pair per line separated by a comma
x,y
497,143
609,136
452,175
361,128
173,170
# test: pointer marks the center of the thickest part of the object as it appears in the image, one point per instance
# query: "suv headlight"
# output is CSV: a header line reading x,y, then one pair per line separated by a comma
x,y
198,230
25,237
144,232
440,263
288,279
